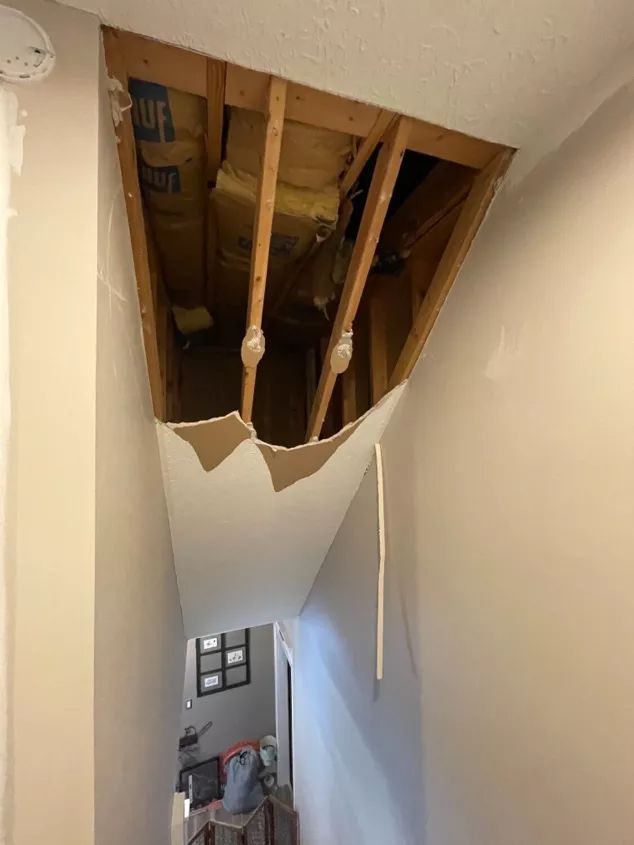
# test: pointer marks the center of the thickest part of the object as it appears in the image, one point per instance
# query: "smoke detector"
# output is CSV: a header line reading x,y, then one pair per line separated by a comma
x,y
26,52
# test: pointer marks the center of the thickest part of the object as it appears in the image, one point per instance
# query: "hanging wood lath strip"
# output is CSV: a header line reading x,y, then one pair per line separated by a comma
x,y
262,227
380,193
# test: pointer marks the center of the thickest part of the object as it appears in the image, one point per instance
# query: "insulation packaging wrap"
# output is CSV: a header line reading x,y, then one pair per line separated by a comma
x,y
311,157
300,213
169,128
306,201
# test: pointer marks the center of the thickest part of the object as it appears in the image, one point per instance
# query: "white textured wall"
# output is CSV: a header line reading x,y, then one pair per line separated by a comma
x,y
51,516
505,714
244,713
492,69
139,640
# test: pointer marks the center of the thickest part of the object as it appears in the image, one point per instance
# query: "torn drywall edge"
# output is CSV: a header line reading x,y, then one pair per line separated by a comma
x,y
215,439
246,554
11,145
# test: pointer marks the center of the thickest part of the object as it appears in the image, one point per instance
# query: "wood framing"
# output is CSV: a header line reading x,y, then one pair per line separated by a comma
x,y
379,195
430,232
445,187
117,68
216,72
165,64
262,227
368,146
469,220
247,89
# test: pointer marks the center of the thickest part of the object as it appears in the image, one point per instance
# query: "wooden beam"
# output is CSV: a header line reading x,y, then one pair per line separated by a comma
x,y
216,72
469,220
378,347
116,63
187,71
444,187
247,89
262,227
165,64
368,145
452,146
379,195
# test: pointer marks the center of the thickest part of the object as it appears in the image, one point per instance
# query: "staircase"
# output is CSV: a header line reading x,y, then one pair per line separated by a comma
x,y
272,823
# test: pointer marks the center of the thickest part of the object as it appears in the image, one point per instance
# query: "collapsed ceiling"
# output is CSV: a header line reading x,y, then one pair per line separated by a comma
x,y
292,251
292,248
251,524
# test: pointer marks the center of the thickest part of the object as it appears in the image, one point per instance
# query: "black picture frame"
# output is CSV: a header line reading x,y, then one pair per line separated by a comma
x,y
225,651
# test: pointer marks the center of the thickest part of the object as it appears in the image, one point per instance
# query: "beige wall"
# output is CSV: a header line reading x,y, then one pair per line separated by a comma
x,y
505,714
96,643
51,520
139,640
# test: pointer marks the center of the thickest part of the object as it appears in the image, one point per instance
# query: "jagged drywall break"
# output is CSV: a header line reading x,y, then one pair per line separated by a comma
x,y
11,137
250,532
490,69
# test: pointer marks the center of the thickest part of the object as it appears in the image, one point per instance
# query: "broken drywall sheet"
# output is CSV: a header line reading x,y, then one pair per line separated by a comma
x,y
251,532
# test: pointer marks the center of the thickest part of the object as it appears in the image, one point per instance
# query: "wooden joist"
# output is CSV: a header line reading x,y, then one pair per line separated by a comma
x,y
379,195
216,72
367,147
262,227
187,71
164,64
469,220
117,68
247,89
444,187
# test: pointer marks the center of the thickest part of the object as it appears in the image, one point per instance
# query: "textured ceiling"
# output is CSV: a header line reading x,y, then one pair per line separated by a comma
x,y
492,68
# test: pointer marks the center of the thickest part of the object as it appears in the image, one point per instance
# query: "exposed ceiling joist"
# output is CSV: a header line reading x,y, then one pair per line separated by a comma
x,y
262,227
379,195
247,88
116,62
470,218
161,63
367,147
216,73
445,187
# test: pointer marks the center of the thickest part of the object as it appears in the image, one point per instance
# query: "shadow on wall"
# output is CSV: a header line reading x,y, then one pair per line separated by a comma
x,y
362,738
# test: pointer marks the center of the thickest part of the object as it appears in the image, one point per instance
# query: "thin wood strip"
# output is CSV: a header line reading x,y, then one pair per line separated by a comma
x,y
469,220
380,193
378,348
216,72
263,224
380,589
126,147
368,145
